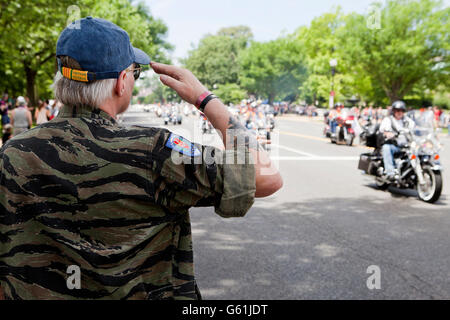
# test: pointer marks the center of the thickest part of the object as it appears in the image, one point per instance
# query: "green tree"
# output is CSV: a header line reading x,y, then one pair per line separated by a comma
x,y
30,29
242,34
29,32
215,60
159,92
409,50
442,97
273,69
230,93
319,44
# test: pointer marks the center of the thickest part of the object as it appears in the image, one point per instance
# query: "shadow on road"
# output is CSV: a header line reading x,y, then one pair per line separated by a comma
x,y
321,249
407,193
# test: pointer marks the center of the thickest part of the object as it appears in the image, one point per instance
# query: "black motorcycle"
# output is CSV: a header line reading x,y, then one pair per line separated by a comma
x,y
418,165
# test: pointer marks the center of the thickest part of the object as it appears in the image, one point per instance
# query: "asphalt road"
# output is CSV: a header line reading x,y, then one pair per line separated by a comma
x,y
316,238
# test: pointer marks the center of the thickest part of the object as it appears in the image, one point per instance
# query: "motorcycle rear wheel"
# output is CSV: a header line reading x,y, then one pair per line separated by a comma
x,y
433,186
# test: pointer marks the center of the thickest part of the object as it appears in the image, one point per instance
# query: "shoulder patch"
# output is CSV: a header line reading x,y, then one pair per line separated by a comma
x,y
182,145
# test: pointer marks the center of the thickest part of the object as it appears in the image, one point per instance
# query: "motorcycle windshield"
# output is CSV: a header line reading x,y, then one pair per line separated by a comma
x,y
425,120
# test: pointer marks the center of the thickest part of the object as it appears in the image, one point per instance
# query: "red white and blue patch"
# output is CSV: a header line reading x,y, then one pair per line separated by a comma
x,y
182,145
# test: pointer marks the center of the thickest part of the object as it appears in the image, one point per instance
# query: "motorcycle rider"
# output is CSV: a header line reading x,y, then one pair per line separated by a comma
x,y
333,115
392,128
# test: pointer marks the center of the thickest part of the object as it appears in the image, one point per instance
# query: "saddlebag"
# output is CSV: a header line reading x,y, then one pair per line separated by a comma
x,y
364,162
369,163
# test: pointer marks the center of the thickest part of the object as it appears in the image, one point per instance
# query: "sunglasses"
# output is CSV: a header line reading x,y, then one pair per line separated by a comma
x,y
136,71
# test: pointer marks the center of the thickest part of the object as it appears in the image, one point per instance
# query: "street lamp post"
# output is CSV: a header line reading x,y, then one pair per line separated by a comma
x,y
333,65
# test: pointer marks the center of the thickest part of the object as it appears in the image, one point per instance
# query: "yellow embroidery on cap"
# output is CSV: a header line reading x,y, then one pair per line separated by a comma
x,y
76,75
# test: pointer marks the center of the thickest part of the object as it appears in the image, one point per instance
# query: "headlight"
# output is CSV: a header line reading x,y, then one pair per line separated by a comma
x,y
428,145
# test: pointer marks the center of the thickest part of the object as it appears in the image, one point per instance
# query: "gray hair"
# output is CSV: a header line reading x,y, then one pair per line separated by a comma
x,y
75,93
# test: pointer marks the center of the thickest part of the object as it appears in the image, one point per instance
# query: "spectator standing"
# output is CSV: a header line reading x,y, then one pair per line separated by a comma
x,y
42,113
4,110
379,114
448,123
437,113
21,117
7,133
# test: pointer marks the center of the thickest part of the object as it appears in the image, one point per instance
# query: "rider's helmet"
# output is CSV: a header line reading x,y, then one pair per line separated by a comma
x,y
339,105
399,105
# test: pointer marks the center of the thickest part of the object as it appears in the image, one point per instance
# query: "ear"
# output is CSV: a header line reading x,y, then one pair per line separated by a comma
x,y
120,84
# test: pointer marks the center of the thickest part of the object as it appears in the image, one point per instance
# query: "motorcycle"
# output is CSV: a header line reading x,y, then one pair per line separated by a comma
x,y
418,165
166,118
206,126
186,111
271,121
263,134
174,118
345,134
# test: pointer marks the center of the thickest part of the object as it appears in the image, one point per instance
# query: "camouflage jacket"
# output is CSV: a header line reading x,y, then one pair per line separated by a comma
x,y
83,191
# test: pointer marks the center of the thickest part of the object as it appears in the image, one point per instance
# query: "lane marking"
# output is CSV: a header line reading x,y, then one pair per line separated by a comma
x,y
308,156
318,138
293,150
303,136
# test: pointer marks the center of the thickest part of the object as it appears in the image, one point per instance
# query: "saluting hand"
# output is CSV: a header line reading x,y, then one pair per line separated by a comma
x,y
188,87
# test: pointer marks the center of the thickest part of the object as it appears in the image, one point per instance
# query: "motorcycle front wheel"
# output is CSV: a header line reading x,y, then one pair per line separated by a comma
x,y
350,139
431,190
381,185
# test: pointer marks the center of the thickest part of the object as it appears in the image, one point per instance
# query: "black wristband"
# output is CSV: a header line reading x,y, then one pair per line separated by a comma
x,y
205,102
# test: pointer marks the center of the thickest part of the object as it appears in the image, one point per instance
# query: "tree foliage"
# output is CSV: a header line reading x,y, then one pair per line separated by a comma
x,y
409,51
273,69
215,60
230,93
319,44
407,57
30,29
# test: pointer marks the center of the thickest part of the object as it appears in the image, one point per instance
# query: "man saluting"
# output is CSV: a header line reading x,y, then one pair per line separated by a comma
x,y
82,191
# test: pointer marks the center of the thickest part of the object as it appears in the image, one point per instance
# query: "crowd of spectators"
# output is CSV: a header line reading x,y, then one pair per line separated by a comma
x,y
18,115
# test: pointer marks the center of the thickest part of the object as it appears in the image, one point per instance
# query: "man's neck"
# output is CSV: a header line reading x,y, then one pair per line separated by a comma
x,y
110,108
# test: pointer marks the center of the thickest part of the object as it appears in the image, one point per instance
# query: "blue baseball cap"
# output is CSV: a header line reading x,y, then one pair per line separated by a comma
x,y
102,49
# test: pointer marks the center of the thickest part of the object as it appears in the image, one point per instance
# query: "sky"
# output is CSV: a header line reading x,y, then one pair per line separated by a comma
x,y
190,20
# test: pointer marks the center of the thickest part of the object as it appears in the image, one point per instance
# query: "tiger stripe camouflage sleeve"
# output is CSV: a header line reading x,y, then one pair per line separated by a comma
x,y
208,178
83,191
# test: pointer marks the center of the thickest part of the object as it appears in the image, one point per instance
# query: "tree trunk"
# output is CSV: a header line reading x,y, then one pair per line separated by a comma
x,y
271,98
31,84
393,96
